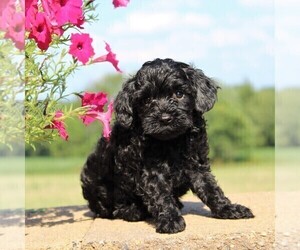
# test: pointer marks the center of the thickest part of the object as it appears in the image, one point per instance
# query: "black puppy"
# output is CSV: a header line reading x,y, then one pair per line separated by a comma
x,y
157,151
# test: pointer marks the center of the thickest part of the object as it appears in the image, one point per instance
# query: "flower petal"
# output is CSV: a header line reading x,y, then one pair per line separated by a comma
x,y
98,100
41,31
81,47
110,57
104,118
120,3
59,125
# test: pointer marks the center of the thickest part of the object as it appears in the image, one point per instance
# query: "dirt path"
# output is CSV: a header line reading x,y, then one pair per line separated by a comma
x,y
73,228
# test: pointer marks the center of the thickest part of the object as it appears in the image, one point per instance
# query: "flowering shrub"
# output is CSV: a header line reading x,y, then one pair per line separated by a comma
x,y
11,66
54,48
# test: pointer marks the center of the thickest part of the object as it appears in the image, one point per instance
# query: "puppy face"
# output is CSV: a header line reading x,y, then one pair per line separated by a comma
x,y
164,102
162,98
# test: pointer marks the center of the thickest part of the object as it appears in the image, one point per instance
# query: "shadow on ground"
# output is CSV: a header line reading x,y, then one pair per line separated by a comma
x,y
12,217
61,215
196,208
55,216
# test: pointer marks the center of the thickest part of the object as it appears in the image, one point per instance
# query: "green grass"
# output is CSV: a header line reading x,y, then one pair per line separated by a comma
x,y
12,178
53,190
54,165
262,155
257,174
55,181
287,169
245,177
12,165
288,156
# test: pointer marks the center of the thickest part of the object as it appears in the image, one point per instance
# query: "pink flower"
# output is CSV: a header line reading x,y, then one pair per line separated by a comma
x,y
58,124
96,101
12,22
31,9
50,13
120,3
16,30
66,11
7,10
3,4
80,22
105,118
110,57
41,31
81,47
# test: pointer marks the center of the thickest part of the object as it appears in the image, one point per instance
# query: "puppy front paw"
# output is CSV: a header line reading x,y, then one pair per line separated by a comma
x,y
170,225
233,211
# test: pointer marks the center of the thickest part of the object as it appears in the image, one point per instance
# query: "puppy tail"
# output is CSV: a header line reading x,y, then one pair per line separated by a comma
x,y
97,183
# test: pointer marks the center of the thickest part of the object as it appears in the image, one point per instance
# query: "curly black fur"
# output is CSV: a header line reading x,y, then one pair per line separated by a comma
x,y
157,151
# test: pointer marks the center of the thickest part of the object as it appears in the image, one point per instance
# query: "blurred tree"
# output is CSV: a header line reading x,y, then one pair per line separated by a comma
x,y
262,112
110,84
259,106
287,118
231,131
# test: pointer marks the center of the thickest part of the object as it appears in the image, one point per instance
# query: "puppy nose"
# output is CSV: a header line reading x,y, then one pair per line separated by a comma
x,y
166,118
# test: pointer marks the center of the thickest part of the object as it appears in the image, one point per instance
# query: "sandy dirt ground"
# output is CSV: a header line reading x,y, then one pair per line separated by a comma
x,y
75,228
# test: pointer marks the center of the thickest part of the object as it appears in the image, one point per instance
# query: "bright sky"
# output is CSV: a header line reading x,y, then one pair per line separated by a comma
x,y
231,40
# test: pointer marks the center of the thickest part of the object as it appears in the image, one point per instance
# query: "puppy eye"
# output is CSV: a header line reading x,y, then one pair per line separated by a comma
x,y
178,94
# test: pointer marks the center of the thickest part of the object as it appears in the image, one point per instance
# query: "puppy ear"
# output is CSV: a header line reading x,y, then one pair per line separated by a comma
x,y
205,89
123,104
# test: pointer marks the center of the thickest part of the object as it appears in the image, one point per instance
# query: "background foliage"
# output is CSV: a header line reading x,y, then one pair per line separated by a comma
x,y
287,120
242,119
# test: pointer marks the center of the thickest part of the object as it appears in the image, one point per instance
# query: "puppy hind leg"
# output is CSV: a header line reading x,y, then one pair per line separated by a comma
x,y
96,187
99,200
98,193
128,206
206,188
132,212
